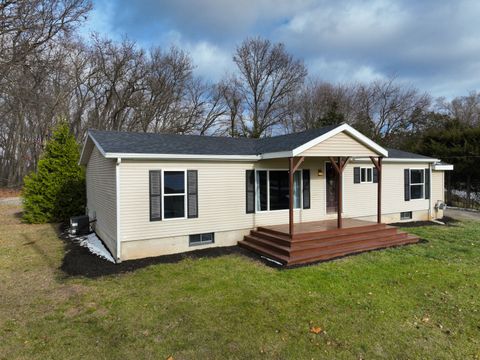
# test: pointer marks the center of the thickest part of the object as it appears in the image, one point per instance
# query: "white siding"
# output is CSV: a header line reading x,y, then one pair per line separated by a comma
x,y
339,145
101,197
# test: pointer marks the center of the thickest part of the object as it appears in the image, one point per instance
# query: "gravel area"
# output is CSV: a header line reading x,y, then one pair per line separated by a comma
x,y
11,201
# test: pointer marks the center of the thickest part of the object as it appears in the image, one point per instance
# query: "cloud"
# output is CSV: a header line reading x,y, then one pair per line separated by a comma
x,y
434,45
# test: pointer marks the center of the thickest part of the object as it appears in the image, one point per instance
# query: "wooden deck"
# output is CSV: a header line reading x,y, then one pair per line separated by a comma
x,y
322,240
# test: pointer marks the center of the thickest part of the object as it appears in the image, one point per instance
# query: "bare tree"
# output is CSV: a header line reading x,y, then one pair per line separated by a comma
x,y
232,95
385,108
268,75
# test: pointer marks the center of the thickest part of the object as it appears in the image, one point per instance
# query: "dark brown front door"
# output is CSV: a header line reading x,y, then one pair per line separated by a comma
x,y
331,181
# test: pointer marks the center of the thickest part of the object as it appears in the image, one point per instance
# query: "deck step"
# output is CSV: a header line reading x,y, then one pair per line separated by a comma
x,y
264,251
343,251
319,246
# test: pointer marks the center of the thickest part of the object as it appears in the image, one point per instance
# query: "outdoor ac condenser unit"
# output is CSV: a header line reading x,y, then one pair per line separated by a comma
x,y
80,225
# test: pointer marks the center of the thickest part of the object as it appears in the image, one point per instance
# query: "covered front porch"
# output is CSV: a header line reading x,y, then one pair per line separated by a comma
x,y
301,242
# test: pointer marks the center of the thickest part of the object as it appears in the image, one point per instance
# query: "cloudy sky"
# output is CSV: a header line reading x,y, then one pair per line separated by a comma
x,y
432,44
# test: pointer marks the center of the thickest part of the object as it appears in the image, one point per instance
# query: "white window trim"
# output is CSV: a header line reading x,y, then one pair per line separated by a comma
x,y
366,174
422,183
176,194
268,191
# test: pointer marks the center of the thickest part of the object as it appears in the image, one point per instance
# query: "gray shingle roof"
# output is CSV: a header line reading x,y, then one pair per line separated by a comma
x,y
149,143
400,154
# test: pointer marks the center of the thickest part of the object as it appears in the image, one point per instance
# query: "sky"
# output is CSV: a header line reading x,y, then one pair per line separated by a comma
x,y
433,45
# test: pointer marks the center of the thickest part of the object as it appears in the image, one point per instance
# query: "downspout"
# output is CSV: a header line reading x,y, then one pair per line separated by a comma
x,y
117,185
430,213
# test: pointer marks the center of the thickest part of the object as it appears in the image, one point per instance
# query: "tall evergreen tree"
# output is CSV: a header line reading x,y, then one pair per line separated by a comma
x,y
57,190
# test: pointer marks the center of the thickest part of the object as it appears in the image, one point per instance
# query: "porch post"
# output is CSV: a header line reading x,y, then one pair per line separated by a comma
x,y
339,172
378,166
290,197
339,194
292,167
379,191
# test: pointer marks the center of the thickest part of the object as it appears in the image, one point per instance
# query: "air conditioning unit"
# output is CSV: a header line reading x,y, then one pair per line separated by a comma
x,y
80,225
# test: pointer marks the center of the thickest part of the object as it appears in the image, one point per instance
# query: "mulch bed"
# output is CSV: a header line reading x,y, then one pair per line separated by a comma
x,y
411,224
79,261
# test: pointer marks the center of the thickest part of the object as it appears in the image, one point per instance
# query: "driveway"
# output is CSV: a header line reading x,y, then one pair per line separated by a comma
x,y
462,214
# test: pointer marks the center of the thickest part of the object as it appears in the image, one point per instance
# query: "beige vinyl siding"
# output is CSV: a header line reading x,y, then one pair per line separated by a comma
x,y
438,186
101,197
361,199
339,145
221,199
438,191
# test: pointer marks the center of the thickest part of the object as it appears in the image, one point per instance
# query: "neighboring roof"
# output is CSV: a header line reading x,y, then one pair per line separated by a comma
x,y
114,144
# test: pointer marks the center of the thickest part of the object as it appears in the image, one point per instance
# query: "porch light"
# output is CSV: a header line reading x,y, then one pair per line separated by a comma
x,y
320,172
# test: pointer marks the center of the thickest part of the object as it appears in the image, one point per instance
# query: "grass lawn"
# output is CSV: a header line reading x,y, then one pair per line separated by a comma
x,y
419,301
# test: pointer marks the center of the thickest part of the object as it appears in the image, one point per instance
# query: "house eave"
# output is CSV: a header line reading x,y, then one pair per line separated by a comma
x,y
398,160
183,157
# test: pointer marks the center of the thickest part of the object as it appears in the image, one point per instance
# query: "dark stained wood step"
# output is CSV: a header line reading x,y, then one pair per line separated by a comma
x,y
271,245
279,239
350,243
343,251
305,244
339,232
263,251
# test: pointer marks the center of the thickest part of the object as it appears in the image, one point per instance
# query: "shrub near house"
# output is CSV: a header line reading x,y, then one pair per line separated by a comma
x,y
57,190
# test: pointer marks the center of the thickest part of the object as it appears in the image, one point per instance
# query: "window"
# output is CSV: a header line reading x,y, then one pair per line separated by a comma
x,y
417,183
201,239
366,175
173,194
272,192
406,215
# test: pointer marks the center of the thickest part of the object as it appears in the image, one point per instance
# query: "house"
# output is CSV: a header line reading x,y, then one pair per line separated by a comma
x,y
156,194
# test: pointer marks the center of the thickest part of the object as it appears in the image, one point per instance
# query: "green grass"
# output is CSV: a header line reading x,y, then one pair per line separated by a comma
x,y
414,302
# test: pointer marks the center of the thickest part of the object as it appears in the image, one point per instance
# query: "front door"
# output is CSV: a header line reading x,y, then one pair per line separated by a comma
x,y
331,183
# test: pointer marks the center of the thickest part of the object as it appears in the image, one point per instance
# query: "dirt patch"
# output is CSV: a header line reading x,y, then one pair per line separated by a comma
x,y
9,192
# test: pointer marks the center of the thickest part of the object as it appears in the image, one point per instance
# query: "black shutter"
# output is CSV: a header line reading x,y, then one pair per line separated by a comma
x,y
356,175
375,175
155,195
427,183
192,193
250,191
406,177
306,188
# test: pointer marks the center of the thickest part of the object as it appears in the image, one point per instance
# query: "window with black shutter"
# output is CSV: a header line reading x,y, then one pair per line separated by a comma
x,y
155,195
427,183
406,184
356,175
306,188
250,191
192,189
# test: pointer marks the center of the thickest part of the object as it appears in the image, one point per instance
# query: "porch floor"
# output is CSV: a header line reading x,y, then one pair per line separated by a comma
x,y
322,240
319,226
